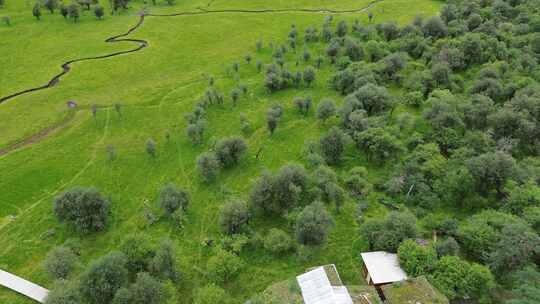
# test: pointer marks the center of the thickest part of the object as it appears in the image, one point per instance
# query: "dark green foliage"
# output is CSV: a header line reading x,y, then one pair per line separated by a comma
x,y
491,171
235,94
223,266
85,208
74,11
195,131
326,109
489,87
516,247
457,279
332,145
172,198
312,225
51,5
145,290
230,150
388,232
388,30
64,292
526,286
342,28
378,144
306,55
435,28
99,11
208,166
163,264
520,197
150,147
116,4
303,104
273,116
277,241
60,262
480,234
6,20
353,50
309,75
332,51
276,194
357,182
36,11
416,259
138,253
371,98
375,51
328,189
211,294
103,278
448,246
392,65
234,217
532,216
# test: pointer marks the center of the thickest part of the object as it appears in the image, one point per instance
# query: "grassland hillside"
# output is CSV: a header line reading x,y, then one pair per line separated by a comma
x,y
423,150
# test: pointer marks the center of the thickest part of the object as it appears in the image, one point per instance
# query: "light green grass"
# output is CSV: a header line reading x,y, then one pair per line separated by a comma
x,y
157,87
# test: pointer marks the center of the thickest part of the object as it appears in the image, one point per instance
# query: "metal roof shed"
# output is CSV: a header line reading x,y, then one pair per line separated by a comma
x,y
22,286
382,268
317,289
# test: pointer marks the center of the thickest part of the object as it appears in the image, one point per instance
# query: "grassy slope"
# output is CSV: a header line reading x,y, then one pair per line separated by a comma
x,y
157,86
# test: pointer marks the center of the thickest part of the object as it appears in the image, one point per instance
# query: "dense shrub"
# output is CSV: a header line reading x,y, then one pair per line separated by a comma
x,y
85,208
416,259
387,233
103,278
313,224
172,198
234,217
60,262
230,150
277,241
280,192
208,166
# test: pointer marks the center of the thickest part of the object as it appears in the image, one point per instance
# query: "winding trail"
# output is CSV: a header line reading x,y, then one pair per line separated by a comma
x,y
66,67
140,44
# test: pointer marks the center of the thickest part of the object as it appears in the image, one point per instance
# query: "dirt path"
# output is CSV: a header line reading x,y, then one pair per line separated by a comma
x,y
39,136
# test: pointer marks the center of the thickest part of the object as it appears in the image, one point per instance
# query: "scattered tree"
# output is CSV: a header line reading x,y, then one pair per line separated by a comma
x,y
172,198
230,150
208,166
85,208
234,217
36,11
326,109
103,278
60,262
312,225
277,241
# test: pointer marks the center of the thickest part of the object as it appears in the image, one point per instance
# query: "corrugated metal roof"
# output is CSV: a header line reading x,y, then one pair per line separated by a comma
x,y
383,267
23,286
316,289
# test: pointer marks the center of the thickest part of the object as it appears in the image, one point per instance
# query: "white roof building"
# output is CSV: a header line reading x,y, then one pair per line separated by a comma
x,y
22,286
317,289
382,267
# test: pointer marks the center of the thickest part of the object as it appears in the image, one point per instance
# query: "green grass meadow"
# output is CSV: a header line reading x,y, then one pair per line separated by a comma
x,y
156,87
